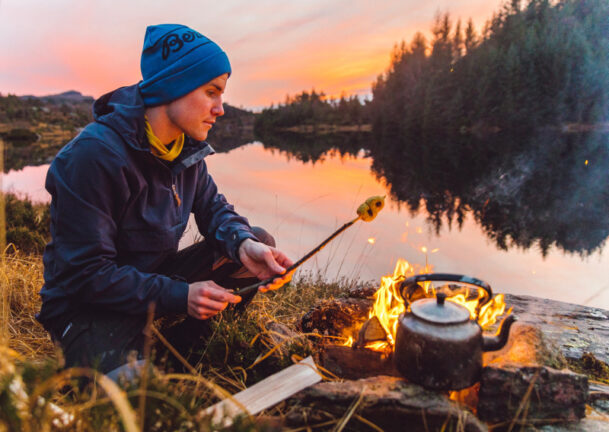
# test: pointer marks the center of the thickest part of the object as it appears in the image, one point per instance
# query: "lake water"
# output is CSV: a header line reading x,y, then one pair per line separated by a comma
x,y
302,203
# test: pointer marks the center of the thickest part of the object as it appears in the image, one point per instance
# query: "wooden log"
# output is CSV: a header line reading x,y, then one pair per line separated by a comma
x,y
346,362
389,403
264,394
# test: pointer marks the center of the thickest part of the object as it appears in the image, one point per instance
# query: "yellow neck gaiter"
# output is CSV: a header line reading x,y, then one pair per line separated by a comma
x,y
159,149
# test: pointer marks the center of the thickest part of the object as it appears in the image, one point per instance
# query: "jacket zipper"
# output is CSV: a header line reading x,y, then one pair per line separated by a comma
x,y
175,195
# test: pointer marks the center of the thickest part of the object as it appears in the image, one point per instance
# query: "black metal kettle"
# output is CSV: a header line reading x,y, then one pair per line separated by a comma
x,y
437,345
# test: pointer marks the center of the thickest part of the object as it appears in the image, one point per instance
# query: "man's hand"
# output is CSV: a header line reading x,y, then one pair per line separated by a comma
x,y
265,261
206,299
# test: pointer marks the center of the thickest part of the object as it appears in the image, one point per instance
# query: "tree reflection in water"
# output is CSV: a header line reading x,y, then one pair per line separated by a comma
x,y
313,148
539,190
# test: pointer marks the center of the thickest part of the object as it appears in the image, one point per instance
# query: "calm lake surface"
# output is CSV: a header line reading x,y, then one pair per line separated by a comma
x,y
302,203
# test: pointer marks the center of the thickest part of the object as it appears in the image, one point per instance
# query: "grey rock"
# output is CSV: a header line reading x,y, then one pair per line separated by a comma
x,y
390,403
531,394
574,329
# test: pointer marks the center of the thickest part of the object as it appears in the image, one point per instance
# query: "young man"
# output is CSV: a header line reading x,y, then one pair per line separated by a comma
x,y
122,192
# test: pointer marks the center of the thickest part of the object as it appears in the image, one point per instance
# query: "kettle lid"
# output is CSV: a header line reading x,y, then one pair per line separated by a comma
x,y
438,311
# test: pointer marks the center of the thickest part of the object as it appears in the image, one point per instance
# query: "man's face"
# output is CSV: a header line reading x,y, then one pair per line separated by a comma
x,y
195,113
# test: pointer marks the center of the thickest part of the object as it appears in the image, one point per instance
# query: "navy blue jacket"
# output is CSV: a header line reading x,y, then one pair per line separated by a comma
x,y
115,217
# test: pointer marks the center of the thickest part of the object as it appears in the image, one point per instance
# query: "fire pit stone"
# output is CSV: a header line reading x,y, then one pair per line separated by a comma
x,y
390,403
547,394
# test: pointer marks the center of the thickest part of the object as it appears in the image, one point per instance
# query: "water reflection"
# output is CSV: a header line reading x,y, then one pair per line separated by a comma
x,y
542,190
314,148
18,156
548,189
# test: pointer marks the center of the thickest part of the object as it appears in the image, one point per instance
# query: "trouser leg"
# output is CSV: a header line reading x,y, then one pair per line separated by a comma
x,y
101,340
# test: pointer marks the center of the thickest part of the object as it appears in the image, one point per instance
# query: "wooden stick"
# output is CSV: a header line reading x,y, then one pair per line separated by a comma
x,y
265,394
257,285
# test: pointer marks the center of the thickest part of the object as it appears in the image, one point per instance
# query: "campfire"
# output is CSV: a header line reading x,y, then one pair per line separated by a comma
x,y
379,331
422,333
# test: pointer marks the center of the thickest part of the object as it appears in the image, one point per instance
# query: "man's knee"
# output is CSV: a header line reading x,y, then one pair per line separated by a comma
x,y
101,340
263,235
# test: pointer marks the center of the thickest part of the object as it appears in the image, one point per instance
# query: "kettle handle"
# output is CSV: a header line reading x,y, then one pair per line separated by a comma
x,y
448,277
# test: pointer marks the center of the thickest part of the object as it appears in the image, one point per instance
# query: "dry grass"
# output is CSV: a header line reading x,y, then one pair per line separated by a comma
x,y
21,279
241,351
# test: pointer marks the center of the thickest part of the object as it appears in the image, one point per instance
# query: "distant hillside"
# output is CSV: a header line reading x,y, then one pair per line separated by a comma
x,y
231,112
34,128
72,110
234,129
67,111
71,96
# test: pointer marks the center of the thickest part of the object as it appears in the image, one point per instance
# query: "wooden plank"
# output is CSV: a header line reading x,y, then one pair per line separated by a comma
x,y
266,393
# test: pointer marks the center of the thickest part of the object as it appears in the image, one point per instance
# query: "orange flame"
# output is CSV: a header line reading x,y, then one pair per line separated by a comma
x,y
488,313
388,304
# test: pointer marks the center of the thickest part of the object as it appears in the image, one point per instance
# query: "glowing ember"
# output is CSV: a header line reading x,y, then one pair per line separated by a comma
x,y
388,304
377,346
349,341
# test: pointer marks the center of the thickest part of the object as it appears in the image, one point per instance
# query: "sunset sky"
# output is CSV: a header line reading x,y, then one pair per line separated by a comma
x,y
275,47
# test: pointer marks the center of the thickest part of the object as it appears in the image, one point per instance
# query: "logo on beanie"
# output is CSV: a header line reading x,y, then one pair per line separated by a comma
x,y
174,43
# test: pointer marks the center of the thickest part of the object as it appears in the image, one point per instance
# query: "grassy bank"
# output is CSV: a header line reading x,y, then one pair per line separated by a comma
x,y
235,358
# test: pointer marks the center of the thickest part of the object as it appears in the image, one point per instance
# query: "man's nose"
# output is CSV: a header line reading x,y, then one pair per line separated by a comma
x,y
218,109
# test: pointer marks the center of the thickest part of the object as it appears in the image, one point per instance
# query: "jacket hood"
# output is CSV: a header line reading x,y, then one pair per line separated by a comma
x,y
123,110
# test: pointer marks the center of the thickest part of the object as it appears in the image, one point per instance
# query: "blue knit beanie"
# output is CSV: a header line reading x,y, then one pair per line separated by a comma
x,y
176,60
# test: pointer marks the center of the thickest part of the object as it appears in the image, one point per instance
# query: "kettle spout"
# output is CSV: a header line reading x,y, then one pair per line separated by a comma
x,y
494,343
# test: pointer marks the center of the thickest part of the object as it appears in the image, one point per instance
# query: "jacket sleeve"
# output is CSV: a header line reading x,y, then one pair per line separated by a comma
x,y
217,219
89,186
